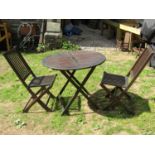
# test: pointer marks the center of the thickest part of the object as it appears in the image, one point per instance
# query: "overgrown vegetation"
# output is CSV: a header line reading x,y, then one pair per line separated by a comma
x,y
13,97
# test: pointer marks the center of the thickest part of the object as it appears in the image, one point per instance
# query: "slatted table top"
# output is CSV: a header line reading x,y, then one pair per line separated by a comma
x,y
74,60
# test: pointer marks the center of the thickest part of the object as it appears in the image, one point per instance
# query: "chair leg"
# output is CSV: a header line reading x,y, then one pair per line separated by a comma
x,y
109,92
112,103
52,96
36,98
114,100
125,93
43,105
113,91
106,89
28,105
33,101
54,105
125,106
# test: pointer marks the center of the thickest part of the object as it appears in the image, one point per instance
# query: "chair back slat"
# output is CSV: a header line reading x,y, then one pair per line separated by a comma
x,y
141,62
18,64
139,65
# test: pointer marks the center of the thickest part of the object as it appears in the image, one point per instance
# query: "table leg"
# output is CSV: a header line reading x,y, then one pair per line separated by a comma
x,y
62,90
83,88
65,85
79,87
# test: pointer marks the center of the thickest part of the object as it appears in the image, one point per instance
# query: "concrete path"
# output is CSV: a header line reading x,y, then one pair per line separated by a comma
x,y
91,39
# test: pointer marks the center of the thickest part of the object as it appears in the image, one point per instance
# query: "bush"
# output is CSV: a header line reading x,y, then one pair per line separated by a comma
x,y
69,46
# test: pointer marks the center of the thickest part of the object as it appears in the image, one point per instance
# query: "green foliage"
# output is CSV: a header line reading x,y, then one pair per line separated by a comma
x,y
81,120
41,47
67,45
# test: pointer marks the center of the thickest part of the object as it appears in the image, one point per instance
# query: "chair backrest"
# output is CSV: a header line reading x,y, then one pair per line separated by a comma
x,y
140,64
19,65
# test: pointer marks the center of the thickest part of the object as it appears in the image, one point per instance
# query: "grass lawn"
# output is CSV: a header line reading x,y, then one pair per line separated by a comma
x,y
13,97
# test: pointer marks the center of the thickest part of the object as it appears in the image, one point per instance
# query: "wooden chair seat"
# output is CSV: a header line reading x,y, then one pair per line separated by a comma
x,y
42,81
114,80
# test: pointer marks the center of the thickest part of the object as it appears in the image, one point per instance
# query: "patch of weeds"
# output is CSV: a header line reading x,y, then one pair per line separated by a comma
x,y
19,123
96,126
81,119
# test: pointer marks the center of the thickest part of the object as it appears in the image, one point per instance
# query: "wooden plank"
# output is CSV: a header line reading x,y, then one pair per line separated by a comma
x,y
129,29
123,27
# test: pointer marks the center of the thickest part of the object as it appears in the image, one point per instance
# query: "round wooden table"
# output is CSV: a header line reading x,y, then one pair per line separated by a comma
x,y
68,63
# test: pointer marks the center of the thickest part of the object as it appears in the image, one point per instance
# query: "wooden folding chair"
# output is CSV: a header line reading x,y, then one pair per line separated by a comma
x,y
123,83
24,73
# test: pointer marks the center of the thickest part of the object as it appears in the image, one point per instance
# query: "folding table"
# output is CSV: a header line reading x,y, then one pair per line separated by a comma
x,y
70,62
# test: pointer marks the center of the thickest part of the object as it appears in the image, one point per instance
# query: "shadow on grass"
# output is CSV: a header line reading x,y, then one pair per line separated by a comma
x,y
139,105
76,105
